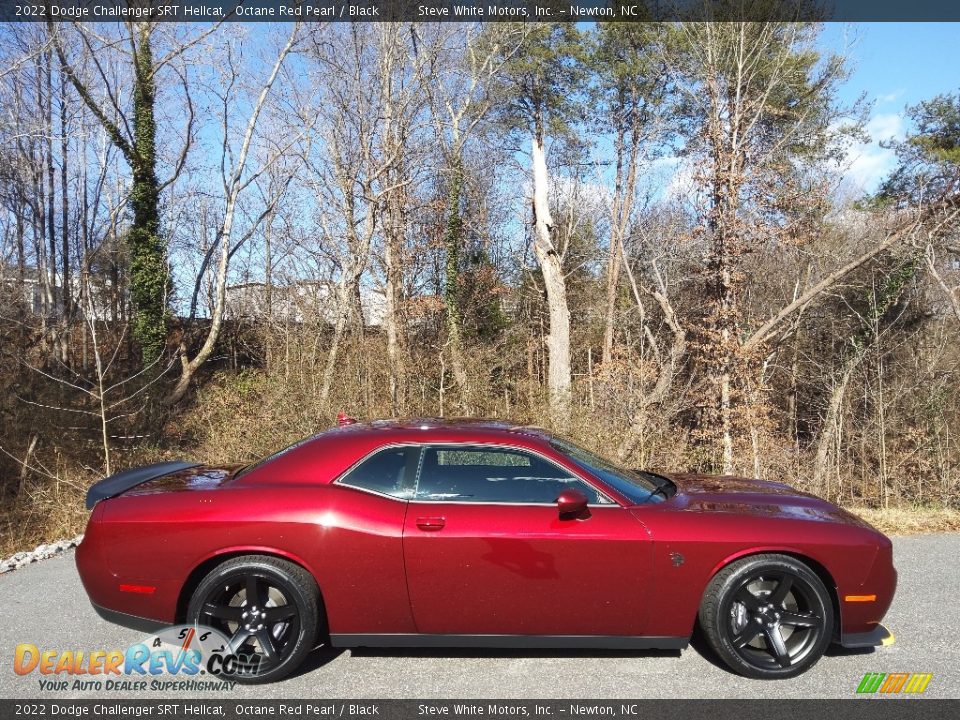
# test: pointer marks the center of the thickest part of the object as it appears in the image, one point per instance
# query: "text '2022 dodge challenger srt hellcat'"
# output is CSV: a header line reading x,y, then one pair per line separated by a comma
x,y
480,534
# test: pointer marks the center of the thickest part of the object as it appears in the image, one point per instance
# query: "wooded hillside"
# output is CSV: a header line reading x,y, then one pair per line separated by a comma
x,y
213,239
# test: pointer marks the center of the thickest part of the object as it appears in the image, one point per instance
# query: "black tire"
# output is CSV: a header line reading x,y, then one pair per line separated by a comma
x,y
277,630
767,616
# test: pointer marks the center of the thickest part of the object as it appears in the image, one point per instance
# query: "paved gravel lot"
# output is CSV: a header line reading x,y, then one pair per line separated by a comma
x,y
45,604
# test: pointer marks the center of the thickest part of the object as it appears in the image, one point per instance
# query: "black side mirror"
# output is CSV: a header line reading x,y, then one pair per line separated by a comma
x,y
571,503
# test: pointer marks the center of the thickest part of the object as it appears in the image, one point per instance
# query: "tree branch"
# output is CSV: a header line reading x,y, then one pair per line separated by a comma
x,y
764,332
112,129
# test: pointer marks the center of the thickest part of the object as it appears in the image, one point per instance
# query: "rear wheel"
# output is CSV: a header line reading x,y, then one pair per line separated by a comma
x,y
767,616
267,608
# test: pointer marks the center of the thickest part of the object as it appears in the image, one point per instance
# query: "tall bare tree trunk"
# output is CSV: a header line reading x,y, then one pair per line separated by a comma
x,y
393,232
453,240
551,265
268,291
827,441
57,306
394,140
610,312
613,256
625,186
66,291
348,298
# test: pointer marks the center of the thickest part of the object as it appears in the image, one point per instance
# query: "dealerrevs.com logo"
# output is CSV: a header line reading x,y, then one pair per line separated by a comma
x,y
178,658
894,683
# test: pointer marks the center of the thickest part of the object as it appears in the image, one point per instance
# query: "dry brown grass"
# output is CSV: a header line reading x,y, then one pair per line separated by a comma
x,y
911,520
56,513
52,506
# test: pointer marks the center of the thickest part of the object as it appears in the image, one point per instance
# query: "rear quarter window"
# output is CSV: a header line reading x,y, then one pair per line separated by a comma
x,y
383,472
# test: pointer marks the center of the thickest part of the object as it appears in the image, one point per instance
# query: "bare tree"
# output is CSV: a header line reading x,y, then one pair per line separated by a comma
x,y
134,132
762,105
236,178
541,82
632,90
372,98
464,65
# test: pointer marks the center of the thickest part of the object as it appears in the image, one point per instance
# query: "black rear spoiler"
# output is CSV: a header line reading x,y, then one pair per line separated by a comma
x,y
123,481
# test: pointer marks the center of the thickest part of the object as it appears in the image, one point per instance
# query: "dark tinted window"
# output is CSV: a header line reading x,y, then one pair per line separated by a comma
x,y
481,474
382,472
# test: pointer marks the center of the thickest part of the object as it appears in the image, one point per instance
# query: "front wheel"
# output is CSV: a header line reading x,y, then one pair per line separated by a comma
x,y
767,616
267,608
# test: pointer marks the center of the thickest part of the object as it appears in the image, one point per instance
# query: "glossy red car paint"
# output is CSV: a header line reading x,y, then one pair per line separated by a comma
x,y
387,566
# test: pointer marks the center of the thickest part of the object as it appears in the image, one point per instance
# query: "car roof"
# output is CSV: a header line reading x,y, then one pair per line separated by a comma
x,y
448,424
430,429
338,448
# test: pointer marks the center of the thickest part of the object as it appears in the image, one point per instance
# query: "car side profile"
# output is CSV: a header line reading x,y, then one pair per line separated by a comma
x,y
480,534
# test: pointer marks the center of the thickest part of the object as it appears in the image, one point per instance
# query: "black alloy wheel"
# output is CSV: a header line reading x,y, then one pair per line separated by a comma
x,y
267,608
768,616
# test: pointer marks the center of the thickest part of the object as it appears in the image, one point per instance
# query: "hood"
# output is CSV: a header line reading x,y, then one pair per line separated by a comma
x,y
757,498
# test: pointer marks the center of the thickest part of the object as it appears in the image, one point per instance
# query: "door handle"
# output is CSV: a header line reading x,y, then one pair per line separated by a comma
x,y
431,523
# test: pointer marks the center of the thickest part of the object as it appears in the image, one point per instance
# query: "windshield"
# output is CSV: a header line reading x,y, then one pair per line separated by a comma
x,y
638,487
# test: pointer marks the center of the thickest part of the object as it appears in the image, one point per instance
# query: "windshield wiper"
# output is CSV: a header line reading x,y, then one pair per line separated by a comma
x,y
662,486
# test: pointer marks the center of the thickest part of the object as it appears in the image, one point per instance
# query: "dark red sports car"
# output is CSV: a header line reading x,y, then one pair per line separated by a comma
x,y
469,534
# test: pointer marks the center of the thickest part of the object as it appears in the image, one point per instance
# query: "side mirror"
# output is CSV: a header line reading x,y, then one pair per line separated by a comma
x,y
571,502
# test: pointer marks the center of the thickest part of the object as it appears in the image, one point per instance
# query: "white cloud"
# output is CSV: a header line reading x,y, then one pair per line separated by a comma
x,y
888,126
867,167
668,162
867,163
682,181
864,166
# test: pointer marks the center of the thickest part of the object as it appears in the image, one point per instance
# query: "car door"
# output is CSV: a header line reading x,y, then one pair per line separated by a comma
x,y
360,544
487,552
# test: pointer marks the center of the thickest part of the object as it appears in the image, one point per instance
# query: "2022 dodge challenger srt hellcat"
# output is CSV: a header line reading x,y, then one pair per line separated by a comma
x,y
468,533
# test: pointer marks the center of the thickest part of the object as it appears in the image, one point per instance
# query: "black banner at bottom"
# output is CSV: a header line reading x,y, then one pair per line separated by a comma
x,y
854,709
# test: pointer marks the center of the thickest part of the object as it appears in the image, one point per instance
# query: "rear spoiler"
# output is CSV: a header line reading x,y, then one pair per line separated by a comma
x,y
123,481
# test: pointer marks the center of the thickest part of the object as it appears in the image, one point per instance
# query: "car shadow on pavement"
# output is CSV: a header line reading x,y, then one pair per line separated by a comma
x,y
323,655
840,651
453,652
698,642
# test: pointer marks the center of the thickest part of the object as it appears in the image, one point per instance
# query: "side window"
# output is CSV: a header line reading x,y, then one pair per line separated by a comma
x,y
480,474
382,472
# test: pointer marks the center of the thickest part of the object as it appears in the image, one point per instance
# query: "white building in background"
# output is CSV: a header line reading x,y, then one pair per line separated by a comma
x,y
39,294
32,293
299,302
295,302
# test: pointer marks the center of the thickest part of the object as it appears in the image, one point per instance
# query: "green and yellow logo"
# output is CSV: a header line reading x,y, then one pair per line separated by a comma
x,y
893,683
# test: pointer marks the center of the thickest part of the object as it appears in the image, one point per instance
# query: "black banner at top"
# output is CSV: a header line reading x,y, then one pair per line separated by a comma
x,y
478,10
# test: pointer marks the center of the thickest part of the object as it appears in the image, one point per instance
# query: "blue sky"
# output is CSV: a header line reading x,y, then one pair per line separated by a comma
x,y
895,65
